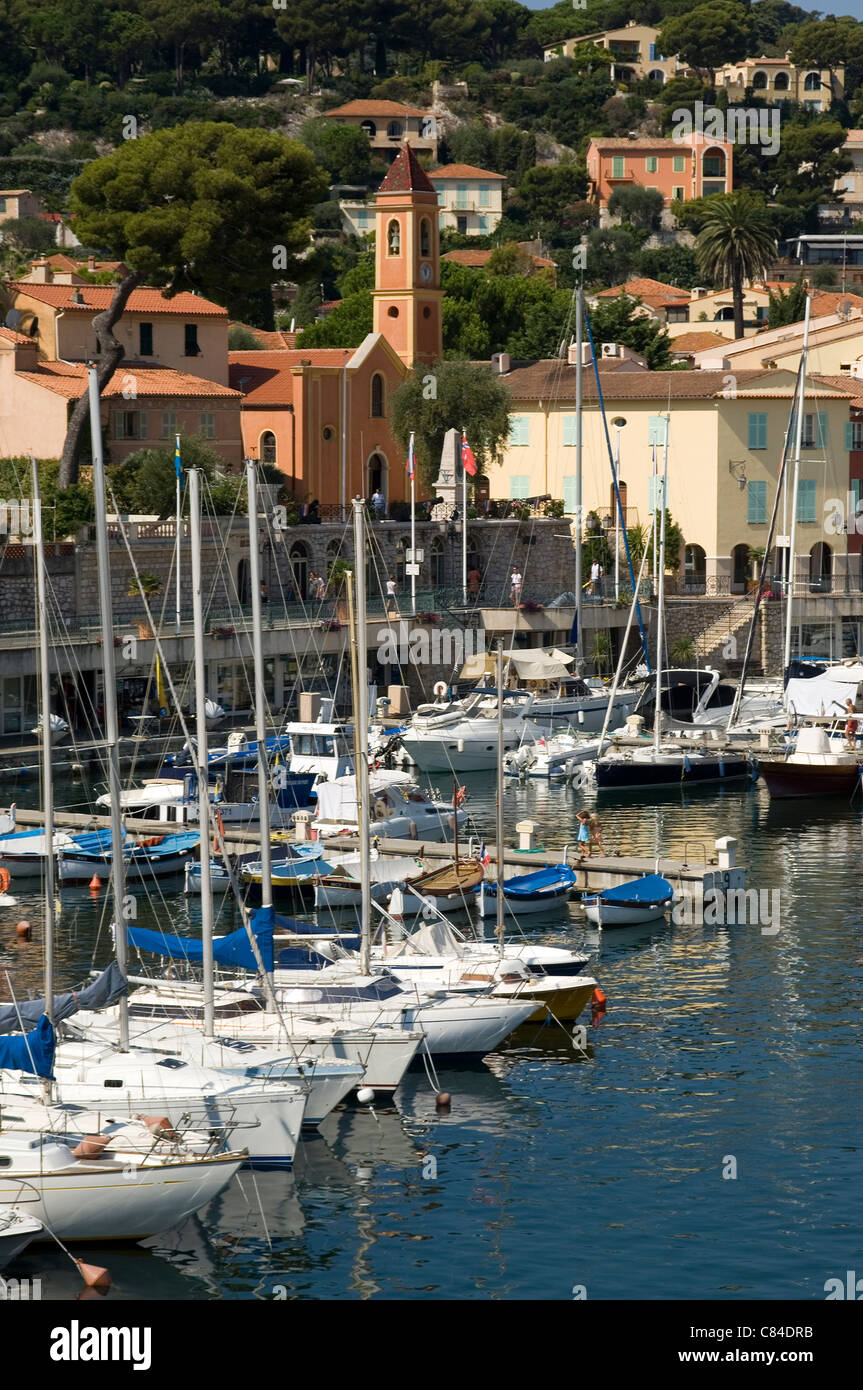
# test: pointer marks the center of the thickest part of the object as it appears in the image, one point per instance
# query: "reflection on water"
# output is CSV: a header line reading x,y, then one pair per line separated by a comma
x,y
558,1166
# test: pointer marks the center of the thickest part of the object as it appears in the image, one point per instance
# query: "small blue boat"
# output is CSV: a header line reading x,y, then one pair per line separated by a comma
x,y
163,855
534,892
628,904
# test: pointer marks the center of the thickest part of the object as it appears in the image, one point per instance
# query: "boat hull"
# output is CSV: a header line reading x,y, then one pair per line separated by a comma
x,y
787,779
626,775
623,914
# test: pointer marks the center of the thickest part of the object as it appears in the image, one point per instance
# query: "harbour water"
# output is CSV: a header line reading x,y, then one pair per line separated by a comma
x,y
707,1145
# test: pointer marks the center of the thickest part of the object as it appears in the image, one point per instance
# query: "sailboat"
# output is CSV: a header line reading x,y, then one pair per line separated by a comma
x,y
16,1233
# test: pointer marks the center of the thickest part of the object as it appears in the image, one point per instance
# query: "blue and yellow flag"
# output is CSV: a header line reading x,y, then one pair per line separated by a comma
x,y
178,464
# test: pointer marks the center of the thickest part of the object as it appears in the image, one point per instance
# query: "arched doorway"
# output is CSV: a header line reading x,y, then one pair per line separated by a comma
x,y
299,558
739,568
820,568
694,569
243,590
377,474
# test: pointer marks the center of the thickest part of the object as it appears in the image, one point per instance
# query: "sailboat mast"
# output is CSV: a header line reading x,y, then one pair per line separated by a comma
x,y
260,700
201,751
798,439
579,478
660,606
499,808
109,699
45,707
361,737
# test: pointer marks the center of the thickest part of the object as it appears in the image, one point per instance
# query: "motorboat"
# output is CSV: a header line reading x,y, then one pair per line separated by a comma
x,y
559,696
466,739
629,904
673,764
400,810
174,800
541,890
551,757
813,766
156,857
7,822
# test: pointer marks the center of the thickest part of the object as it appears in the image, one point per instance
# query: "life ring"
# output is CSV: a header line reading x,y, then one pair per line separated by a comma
x,y
440,689
5,880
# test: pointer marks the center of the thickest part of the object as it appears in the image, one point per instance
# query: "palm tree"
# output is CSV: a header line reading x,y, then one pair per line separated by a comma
x,y
736,243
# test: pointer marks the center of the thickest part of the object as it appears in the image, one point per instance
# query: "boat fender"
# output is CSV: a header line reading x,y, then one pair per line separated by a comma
x,y
440,689
5,880
598,1005
413,829
159,1126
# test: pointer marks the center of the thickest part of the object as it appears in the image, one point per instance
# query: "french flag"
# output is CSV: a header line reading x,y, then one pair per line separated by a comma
x,y
484,856
468,461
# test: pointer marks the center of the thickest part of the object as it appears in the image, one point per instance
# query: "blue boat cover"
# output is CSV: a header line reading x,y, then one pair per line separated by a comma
x,y
97,846
558,877
106,989
31,1052
653,888
233,950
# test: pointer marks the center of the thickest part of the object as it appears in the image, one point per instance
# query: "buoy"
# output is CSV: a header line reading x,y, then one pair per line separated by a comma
x,y
597,1006
95,884
365,1095
23,930
94,1276
443,1100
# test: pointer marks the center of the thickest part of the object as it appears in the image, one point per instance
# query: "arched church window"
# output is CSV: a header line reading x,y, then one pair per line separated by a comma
x,y
394,239
425,237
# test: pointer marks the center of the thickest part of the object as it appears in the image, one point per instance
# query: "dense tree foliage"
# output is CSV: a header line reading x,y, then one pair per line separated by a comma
x,y
464,392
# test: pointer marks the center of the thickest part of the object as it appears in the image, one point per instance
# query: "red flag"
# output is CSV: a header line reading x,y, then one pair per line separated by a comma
x,y
468,461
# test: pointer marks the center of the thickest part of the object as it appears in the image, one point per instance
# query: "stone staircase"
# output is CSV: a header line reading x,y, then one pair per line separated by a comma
x,y
724,640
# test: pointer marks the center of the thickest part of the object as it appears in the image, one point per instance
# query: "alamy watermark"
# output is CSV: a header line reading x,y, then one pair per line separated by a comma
x,y
425,646
16,518
739,125
753,907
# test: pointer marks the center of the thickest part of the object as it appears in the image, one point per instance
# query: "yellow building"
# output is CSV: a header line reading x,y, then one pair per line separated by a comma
x,y
634,51
724,450
835,346
778,80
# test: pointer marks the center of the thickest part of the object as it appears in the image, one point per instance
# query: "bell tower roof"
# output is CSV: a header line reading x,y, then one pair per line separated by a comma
x,y
406,175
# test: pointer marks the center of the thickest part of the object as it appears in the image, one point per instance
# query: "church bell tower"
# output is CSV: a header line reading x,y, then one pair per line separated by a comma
x,y
407,294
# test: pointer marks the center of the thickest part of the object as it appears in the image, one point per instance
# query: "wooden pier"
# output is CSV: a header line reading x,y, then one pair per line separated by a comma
x,y
691,877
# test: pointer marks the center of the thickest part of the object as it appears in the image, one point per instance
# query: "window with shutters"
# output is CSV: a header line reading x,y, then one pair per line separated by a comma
x,y
757,430
854,434
169,424
756,503
484,195
191,340
617,166
651,164
678,194
656,427
679,164
570,430
569,494
806,500
519,430
130,424
207,425
519,485
145,339
654,494
814,432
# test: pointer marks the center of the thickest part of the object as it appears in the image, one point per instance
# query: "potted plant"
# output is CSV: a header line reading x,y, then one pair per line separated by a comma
x,y
683,651
150,585
600,652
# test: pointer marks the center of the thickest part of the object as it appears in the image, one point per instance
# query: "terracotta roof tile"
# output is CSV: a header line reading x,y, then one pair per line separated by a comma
x,y
270,340
375,108
697,342
96,297
70,380
8,335
267,377
644,286
406,175
462,171
553,379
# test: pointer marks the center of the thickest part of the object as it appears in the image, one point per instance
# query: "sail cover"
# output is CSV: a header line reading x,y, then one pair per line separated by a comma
x,y
233,950
31,1052
106,989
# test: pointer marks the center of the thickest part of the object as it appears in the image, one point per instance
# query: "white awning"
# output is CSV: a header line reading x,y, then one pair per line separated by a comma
x,y
540,663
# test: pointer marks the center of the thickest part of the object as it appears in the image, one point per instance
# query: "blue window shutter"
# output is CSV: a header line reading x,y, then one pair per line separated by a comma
x,y
821,437
651,497
653,52
756,503
806,499
519,485
849,435
569,483
569,430
656,427
757,430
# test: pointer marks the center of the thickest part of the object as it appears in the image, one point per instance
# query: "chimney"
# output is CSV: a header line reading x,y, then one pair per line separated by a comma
x,y
91,263
500,363
40,273
76,297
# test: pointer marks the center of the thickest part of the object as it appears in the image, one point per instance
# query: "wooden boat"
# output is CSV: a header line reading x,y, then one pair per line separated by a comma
x,y
628,904
449,888
533,892
814,768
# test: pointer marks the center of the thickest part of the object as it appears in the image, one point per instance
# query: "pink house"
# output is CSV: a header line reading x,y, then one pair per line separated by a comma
x,y
691,167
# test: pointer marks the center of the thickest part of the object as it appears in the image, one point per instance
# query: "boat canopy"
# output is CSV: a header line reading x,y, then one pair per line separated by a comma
x,y
30,1052
433,938
824,695
106,989
555,879
233,950
643,892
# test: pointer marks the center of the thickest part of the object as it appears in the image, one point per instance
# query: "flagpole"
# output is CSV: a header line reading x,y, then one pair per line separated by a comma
x,y
413,542
178,489
463,523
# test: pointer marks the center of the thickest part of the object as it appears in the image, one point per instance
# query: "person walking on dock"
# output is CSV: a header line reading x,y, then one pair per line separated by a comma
x,y
583,819
595,833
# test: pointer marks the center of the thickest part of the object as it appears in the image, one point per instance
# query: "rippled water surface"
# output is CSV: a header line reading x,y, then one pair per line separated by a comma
x,y
723,1048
